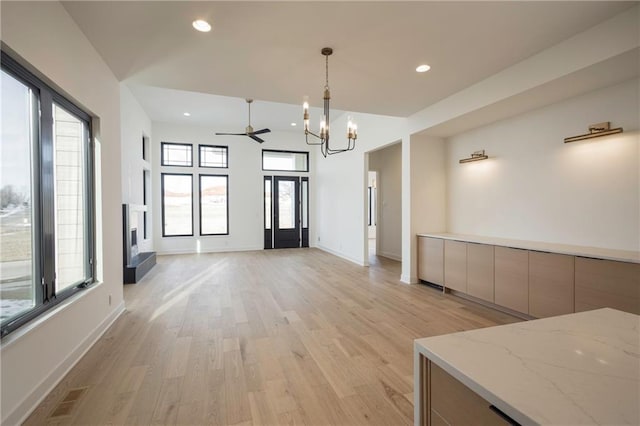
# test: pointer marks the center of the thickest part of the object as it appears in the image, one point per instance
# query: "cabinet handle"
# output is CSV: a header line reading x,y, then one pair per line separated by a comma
x,y
504,416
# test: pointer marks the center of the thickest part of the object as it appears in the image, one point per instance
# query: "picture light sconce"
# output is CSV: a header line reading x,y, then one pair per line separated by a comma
x,y
476,156
595,131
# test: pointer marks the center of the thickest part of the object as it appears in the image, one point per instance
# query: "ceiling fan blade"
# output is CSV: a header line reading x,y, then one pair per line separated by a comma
x,y
259,132
231,134
255,138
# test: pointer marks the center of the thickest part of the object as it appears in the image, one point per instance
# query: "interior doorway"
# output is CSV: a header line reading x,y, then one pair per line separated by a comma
x,y
383,234
286,212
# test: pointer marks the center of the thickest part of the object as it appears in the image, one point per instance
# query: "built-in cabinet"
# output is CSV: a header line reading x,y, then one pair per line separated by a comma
x,y
605,283
532,282
455,265
551,284
431,260
480,271
512,278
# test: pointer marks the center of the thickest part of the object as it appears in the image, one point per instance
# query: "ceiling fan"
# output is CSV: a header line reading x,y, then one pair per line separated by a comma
x,y
249,130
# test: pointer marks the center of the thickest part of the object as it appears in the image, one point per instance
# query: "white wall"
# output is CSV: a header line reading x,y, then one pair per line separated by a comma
x,y
428,194
535,187
388,163
34,358
342,185
134,124
246,218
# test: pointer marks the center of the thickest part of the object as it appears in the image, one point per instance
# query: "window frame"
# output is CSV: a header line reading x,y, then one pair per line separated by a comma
x,y
44,231
306,153
226,155
162,175
162,158
200,176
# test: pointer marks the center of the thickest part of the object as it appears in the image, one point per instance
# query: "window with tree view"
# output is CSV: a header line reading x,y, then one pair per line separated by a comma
x,y
17,285
46,214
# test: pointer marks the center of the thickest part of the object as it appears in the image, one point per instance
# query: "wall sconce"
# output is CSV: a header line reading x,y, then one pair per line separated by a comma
x,y
476,156
595,131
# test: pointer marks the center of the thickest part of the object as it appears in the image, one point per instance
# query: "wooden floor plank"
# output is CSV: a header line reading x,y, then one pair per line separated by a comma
x,y
288,337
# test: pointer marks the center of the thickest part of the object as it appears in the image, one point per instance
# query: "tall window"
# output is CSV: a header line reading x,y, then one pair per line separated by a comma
x,y
214,206
177,205
46,212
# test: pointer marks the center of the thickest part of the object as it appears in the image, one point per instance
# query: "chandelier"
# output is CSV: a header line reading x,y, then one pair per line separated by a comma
x,y
323,136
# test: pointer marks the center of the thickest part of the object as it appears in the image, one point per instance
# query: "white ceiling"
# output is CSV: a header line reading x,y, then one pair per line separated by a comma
x,y
270,51
221,113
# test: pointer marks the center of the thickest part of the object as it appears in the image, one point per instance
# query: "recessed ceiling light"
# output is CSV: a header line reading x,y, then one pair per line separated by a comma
x,y
201,25
186,114
294,124
423,68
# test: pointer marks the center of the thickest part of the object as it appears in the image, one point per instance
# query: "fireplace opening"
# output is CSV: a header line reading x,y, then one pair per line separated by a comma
x,y
134,242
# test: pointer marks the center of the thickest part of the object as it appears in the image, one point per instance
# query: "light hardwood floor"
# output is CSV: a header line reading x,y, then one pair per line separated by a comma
x,y
270,337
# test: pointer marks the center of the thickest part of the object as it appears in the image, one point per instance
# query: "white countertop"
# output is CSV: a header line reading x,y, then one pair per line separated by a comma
x,y
578,369
593,252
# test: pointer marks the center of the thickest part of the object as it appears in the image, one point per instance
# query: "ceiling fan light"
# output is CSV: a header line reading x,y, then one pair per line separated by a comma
x,y
201,25
423,68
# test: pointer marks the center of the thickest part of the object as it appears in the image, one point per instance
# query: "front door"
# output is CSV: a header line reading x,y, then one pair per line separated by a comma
x,y
286,212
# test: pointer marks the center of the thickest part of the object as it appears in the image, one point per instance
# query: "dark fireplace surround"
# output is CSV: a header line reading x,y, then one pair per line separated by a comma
x,y
136,264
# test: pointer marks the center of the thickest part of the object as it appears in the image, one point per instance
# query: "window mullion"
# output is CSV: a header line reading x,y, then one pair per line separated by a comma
x,y
47,194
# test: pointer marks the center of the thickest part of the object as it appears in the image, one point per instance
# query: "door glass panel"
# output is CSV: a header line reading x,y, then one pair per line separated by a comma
x,y
69,136
267,204
286,201
305,203
17,283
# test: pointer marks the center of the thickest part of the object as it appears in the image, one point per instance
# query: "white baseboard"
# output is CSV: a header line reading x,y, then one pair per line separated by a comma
x,y
341,255
408,279
220,250
31,401
392,256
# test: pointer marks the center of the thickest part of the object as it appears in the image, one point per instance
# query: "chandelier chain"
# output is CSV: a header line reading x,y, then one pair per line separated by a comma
x,y
326,59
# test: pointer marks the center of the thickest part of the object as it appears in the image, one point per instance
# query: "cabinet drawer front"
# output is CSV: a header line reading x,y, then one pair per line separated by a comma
x,y
512,278
551,289
605,283
456,403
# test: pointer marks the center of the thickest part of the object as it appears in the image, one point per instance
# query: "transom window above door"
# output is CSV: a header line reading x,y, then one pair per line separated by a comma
x,y
285,161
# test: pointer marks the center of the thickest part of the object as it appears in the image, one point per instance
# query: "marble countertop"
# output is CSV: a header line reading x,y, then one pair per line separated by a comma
x,y
593,252
579,369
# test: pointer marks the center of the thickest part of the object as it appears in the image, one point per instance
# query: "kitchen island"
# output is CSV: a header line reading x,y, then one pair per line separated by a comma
x,y
581,368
